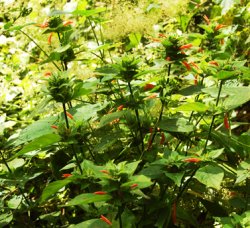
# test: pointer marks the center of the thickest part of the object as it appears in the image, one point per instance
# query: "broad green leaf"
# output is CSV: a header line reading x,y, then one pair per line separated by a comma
x,y
111,117
35,130
190,90
15,202
5,219
62,49
87,198
53,188
207,28
176,177
14,164
210,175
175,125
223,74
108,46
92,223
141,180
195,106
243,172
134,39
131,167
88,13
215,153
39,143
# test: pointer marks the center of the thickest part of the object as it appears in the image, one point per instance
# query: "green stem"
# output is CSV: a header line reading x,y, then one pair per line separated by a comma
x,y
212,122
40,48
137,116
120,216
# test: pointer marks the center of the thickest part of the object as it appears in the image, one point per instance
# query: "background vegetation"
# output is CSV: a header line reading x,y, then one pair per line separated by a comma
x,y
125,113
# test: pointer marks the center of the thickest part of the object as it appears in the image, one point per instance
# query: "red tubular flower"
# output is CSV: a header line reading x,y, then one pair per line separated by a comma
x,y
214,63
69,115
50,38
162,35
226,122
174,220
120,107
43,25
155,39
151,97
168,58
148,87
206,19
47,74
196,80
100,193
192,160
66,23
162,138
186,65
186,46
219,26
103,218
194,65
65,175
104,171
133,186
54,126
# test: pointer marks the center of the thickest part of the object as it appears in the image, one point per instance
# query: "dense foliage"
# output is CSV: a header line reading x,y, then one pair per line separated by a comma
x,y
125,113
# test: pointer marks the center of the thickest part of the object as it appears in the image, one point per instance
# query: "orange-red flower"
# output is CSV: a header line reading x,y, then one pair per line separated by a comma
x,y
168,58
66,23
206,19
104,171
69,115
192,160
194,65
219,26
65,175
196,80
120,107
47,74
103,218
186,65
151,97
54,126
133,186
162,35
186,46
45,24
148,86
226,122
213,63
100,193
50,38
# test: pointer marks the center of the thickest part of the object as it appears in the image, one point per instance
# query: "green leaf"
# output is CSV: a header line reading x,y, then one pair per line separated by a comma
x,y
14,202
134,39
19,27
176,177
62,49
175,125
207,28
38,143
243,171
5,219
88,13
210,175
87,198
214,153
53,188
92,223
224,75
195,106
141,180
111,117
131,167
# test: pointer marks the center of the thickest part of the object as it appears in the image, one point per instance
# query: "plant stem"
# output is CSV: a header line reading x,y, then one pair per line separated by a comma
x,y
40,48
72,146
137,116
120,216
212,122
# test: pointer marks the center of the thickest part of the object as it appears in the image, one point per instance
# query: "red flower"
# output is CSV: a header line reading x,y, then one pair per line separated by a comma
x,y
168,58
206,19
103,218
155,39
186,46
120,107
100,193
186,65
65,175
226,122
133,186
50,38
194,65
45,24
148,87
196,80
54,126
151,97
192,160
162,138
47,74
174,220
66,23
69,115
219,26
162,35
214,63
222,41
104,171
